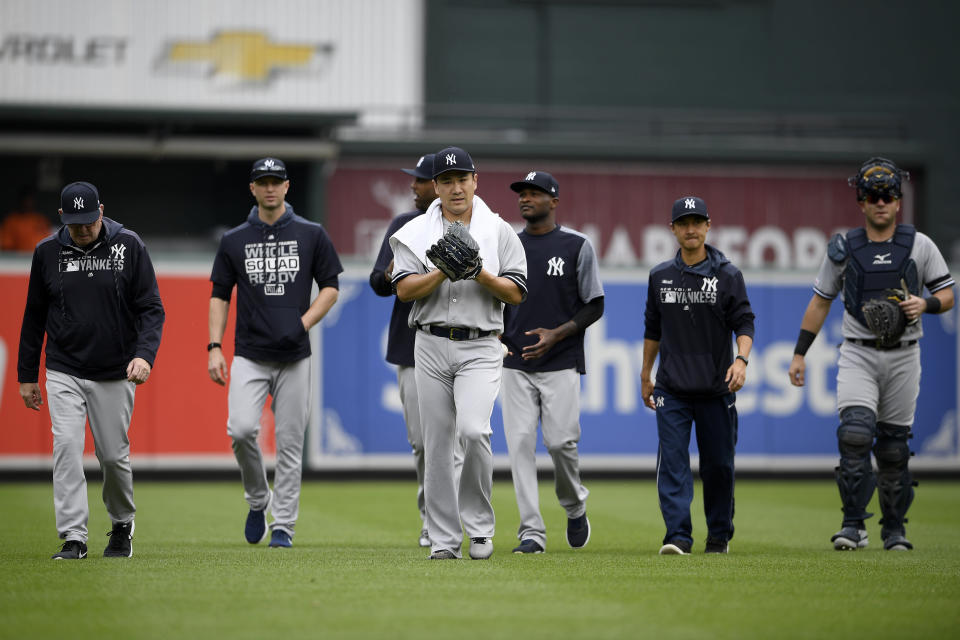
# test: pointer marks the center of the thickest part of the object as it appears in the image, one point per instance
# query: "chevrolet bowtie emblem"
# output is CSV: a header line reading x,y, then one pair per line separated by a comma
x,y
246,56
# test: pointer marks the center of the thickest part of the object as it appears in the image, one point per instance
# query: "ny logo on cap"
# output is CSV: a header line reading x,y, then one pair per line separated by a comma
x,y
267,164
420,161
689,203
78,203
451,158
531,175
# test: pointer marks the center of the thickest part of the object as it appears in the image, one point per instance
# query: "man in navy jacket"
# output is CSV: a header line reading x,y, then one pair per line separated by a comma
x,y
94,294
273,259
694,303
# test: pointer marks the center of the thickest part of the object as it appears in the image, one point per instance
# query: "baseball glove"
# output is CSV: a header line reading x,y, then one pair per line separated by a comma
x,y
885,317
457,254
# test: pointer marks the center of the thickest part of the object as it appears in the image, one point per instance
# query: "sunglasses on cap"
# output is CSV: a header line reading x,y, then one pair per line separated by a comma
x,y
874,197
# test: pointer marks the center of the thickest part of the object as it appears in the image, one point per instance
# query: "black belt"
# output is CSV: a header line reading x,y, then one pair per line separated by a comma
x,y
873,344
456,333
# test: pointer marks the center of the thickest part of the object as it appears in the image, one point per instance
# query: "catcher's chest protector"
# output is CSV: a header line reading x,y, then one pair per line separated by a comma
x,y
874,267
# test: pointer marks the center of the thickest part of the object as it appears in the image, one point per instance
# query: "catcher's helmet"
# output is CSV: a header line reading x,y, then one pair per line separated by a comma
x,y
878,176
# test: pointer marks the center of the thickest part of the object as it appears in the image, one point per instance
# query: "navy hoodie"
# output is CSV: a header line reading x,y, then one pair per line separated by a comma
x,y
99,306
273,267
692,311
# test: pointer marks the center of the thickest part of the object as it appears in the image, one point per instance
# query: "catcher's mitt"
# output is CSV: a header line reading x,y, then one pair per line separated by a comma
x,y
457,254
885,317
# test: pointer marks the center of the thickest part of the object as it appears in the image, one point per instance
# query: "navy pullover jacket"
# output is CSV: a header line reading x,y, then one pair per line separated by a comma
x,y
273,267
400,337
692,311
99,306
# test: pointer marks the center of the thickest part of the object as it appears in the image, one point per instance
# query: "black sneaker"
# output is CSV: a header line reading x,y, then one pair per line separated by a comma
x,y
716,546
897,542
121,541
71,550
528,546
676,547
578,531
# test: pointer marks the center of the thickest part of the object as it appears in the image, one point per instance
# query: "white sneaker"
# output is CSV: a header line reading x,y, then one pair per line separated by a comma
x,y
424,538
481,548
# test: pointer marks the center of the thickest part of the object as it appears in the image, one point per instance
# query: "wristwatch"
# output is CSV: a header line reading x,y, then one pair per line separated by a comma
x,y
213,345
739,357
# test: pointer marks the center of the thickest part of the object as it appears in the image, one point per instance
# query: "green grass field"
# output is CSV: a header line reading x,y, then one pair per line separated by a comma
x,y
356,572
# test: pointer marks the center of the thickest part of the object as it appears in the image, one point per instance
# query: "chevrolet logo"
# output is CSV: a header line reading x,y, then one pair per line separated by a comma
x,y
246,56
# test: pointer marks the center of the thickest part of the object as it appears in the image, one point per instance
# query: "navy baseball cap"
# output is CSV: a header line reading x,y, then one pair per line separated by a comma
x,y
268,167
689,206
452,159
539,180
80,203
424,168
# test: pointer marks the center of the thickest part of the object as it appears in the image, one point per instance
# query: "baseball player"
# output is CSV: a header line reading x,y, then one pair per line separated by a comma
x,y
94,294
879,369
273,259
694,303
400,337
458,311
541,374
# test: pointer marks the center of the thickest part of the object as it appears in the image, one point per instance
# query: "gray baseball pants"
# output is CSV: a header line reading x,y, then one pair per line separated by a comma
x,y
457,383
406,379
552,399
885,381
290,384
109,406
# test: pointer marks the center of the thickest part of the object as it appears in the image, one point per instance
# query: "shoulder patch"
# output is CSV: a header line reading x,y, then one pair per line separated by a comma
x,y
837,249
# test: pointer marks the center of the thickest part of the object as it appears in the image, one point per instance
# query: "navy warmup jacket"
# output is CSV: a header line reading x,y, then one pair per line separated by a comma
x,y
99,306
692,311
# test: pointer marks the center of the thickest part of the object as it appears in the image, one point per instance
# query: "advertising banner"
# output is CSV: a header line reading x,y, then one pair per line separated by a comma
x,y
179,419
310,56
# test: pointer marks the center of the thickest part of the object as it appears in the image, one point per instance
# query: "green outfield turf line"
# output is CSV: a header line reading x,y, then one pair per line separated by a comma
x,y
355,570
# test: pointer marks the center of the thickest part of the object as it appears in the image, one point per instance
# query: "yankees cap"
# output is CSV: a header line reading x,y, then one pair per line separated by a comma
x,y
540,180
689,206
452,159
268,167
424,168
80,203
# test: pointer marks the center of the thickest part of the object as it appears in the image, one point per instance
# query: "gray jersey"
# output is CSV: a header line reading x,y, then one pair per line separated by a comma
x,y
931,267
465,303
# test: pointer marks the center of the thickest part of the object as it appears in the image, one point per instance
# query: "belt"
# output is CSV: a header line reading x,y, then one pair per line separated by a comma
x,y
873,344
455,333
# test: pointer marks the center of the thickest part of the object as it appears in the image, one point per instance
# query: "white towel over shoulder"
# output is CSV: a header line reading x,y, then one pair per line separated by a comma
x,y
422,232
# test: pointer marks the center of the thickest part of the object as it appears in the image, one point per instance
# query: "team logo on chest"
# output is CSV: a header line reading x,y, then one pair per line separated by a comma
x,y
555,266
709,284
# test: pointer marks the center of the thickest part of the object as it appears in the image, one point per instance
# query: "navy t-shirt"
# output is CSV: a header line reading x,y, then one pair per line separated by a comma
x,y
562,276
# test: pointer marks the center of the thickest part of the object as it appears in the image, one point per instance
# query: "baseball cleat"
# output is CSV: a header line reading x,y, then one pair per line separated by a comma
x,y
850,539
897,542
716,546
280,539
120,544
71,550
481,548
578,531
528,546
424,538
443,554
255,530
676,548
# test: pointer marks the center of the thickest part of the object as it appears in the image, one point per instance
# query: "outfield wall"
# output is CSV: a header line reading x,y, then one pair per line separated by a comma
x,y
180,415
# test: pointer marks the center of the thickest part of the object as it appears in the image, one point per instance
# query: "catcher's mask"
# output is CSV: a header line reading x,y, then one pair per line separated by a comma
x,y
878,178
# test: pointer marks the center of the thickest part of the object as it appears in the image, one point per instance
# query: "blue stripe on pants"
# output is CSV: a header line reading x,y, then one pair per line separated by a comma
x,y
716,420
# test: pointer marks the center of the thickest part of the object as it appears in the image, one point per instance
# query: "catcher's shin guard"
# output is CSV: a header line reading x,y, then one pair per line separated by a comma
x,y
855,478
894,480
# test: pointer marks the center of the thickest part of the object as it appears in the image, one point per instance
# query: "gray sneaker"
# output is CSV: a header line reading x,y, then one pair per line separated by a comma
x,y
850,539
443,554
897,542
